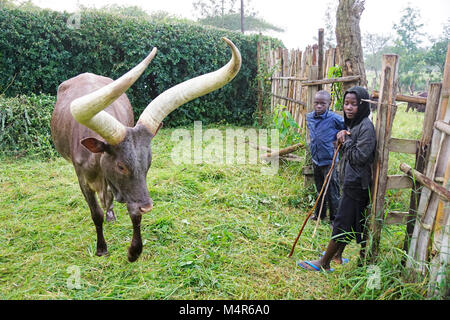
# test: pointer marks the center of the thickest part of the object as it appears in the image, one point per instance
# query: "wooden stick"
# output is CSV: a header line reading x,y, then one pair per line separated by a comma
x,y
321,206
331,80
289,157
403,98
320,57
317,200
282,152
260,84
292,157
442,126
290,99
258,147
443,193
289,78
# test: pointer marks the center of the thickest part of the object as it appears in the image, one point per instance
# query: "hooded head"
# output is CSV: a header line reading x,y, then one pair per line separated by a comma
x,y
363,106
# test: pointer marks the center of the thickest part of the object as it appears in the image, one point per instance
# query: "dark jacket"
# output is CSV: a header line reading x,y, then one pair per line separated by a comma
x,y
358,155
322,132
359,147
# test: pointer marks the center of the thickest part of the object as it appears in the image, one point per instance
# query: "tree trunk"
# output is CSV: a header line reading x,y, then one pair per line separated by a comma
x,y
348,36
242,16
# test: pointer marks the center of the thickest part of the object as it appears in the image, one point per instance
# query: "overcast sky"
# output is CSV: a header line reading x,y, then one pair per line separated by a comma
x,y
300,19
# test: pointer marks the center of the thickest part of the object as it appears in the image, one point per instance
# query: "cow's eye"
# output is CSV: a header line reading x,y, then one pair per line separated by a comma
x,y
122,168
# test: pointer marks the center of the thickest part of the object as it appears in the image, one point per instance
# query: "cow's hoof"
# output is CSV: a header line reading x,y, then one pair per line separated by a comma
x,y
134,253
101,253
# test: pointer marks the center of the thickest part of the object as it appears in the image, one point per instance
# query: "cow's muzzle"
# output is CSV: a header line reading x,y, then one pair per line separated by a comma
x,y
146,208
140,207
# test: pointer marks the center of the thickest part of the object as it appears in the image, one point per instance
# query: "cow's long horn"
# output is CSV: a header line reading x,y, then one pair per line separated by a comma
x,y
88,109
186,91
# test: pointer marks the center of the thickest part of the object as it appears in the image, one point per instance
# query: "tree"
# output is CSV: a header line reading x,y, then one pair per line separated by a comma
x,y
137,12
233,22
406,45
348,37
374,45
219,8
22,4
242,16
225,14
435,56
330,29
126,11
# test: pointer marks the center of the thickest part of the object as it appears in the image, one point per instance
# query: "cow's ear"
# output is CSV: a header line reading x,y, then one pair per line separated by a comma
x,y
94,145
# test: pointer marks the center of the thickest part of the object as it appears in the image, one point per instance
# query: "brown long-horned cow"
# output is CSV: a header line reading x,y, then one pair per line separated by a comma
x,y
92,127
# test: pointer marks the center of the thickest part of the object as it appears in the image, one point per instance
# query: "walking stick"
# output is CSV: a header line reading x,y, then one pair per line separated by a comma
x,y
317,200
321,205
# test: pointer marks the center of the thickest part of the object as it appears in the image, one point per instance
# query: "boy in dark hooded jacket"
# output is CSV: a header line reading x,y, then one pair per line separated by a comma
x,y
358,145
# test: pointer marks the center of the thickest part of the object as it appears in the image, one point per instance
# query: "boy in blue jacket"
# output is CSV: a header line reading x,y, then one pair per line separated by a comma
x,y
323,126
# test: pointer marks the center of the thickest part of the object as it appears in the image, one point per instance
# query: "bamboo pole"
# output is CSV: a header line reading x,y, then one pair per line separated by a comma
x,y
429,204
385,118
441,230
422,155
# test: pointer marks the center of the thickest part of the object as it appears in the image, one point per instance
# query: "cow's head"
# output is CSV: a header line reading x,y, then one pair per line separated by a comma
x,y
126,152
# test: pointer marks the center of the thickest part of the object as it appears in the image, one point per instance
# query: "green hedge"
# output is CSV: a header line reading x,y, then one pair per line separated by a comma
x,y
38,52
25,126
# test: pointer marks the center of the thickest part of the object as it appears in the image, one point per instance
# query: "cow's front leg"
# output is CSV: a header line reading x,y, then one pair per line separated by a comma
x,y
135,248
97,217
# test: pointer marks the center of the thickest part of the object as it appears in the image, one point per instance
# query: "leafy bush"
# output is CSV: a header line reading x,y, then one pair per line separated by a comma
x,y
287,126
336,89
42,48
25,126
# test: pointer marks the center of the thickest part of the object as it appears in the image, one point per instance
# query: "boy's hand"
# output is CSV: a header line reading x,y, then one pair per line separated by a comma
x,y
341,135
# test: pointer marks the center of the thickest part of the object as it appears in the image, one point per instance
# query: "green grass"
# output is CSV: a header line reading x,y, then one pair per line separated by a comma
x,y
216,232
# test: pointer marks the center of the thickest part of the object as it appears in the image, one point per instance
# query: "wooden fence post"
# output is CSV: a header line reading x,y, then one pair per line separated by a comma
x,y
311,92
427,214
440,251
320,58
385,117
422,155
259,78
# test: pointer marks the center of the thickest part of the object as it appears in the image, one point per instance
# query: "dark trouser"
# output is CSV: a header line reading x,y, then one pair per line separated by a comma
x,y
332,196
350,219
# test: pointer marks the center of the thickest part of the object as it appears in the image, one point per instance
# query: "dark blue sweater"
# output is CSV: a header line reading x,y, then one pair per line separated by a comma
x,y
322,132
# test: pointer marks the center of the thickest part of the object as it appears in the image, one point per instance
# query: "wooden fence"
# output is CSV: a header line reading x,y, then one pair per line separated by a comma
x,y
295,81
294,78
426,239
